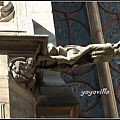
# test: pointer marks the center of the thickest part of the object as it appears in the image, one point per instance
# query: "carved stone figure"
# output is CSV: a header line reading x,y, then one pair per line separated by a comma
x,y
62,59
66,59
6,11
22,71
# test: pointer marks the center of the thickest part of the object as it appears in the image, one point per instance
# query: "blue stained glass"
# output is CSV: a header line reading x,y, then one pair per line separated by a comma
x,y
81,15
111,28
66,6
112,32
77,88
79,34
97,111
111,6
58,16
61,29
90,77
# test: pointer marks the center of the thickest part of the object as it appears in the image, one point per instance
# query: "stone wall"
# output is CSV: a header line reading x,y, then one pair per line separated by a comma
x,y
4,88
42,17
22,103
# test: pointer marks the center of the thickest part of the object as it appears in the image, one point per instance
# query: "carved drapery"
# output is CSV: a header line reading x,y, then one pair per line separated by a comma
x,y
6,11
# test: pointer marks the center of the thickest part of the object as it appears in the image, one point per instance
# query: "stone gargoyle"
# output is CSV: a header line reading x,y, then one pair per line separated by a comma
x,y
69,57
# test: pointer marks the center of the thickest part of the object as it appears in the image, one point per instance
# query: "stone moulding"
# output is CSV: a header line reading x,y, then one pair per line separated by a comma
x,y
10,44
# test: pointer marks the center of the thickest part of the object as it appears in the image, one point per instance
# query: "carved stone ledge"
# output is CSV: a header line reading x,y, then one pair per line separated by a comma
x,y
10,44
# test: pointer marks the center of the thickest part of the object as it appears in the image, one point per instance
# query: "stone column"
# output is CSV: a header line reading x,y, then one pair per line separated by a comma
x,y
105,80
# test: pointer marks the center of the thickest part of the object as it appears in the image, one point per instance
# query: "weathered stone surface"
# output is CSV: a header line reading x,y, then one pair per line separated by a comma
x,y
72,56
22,103
21,43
